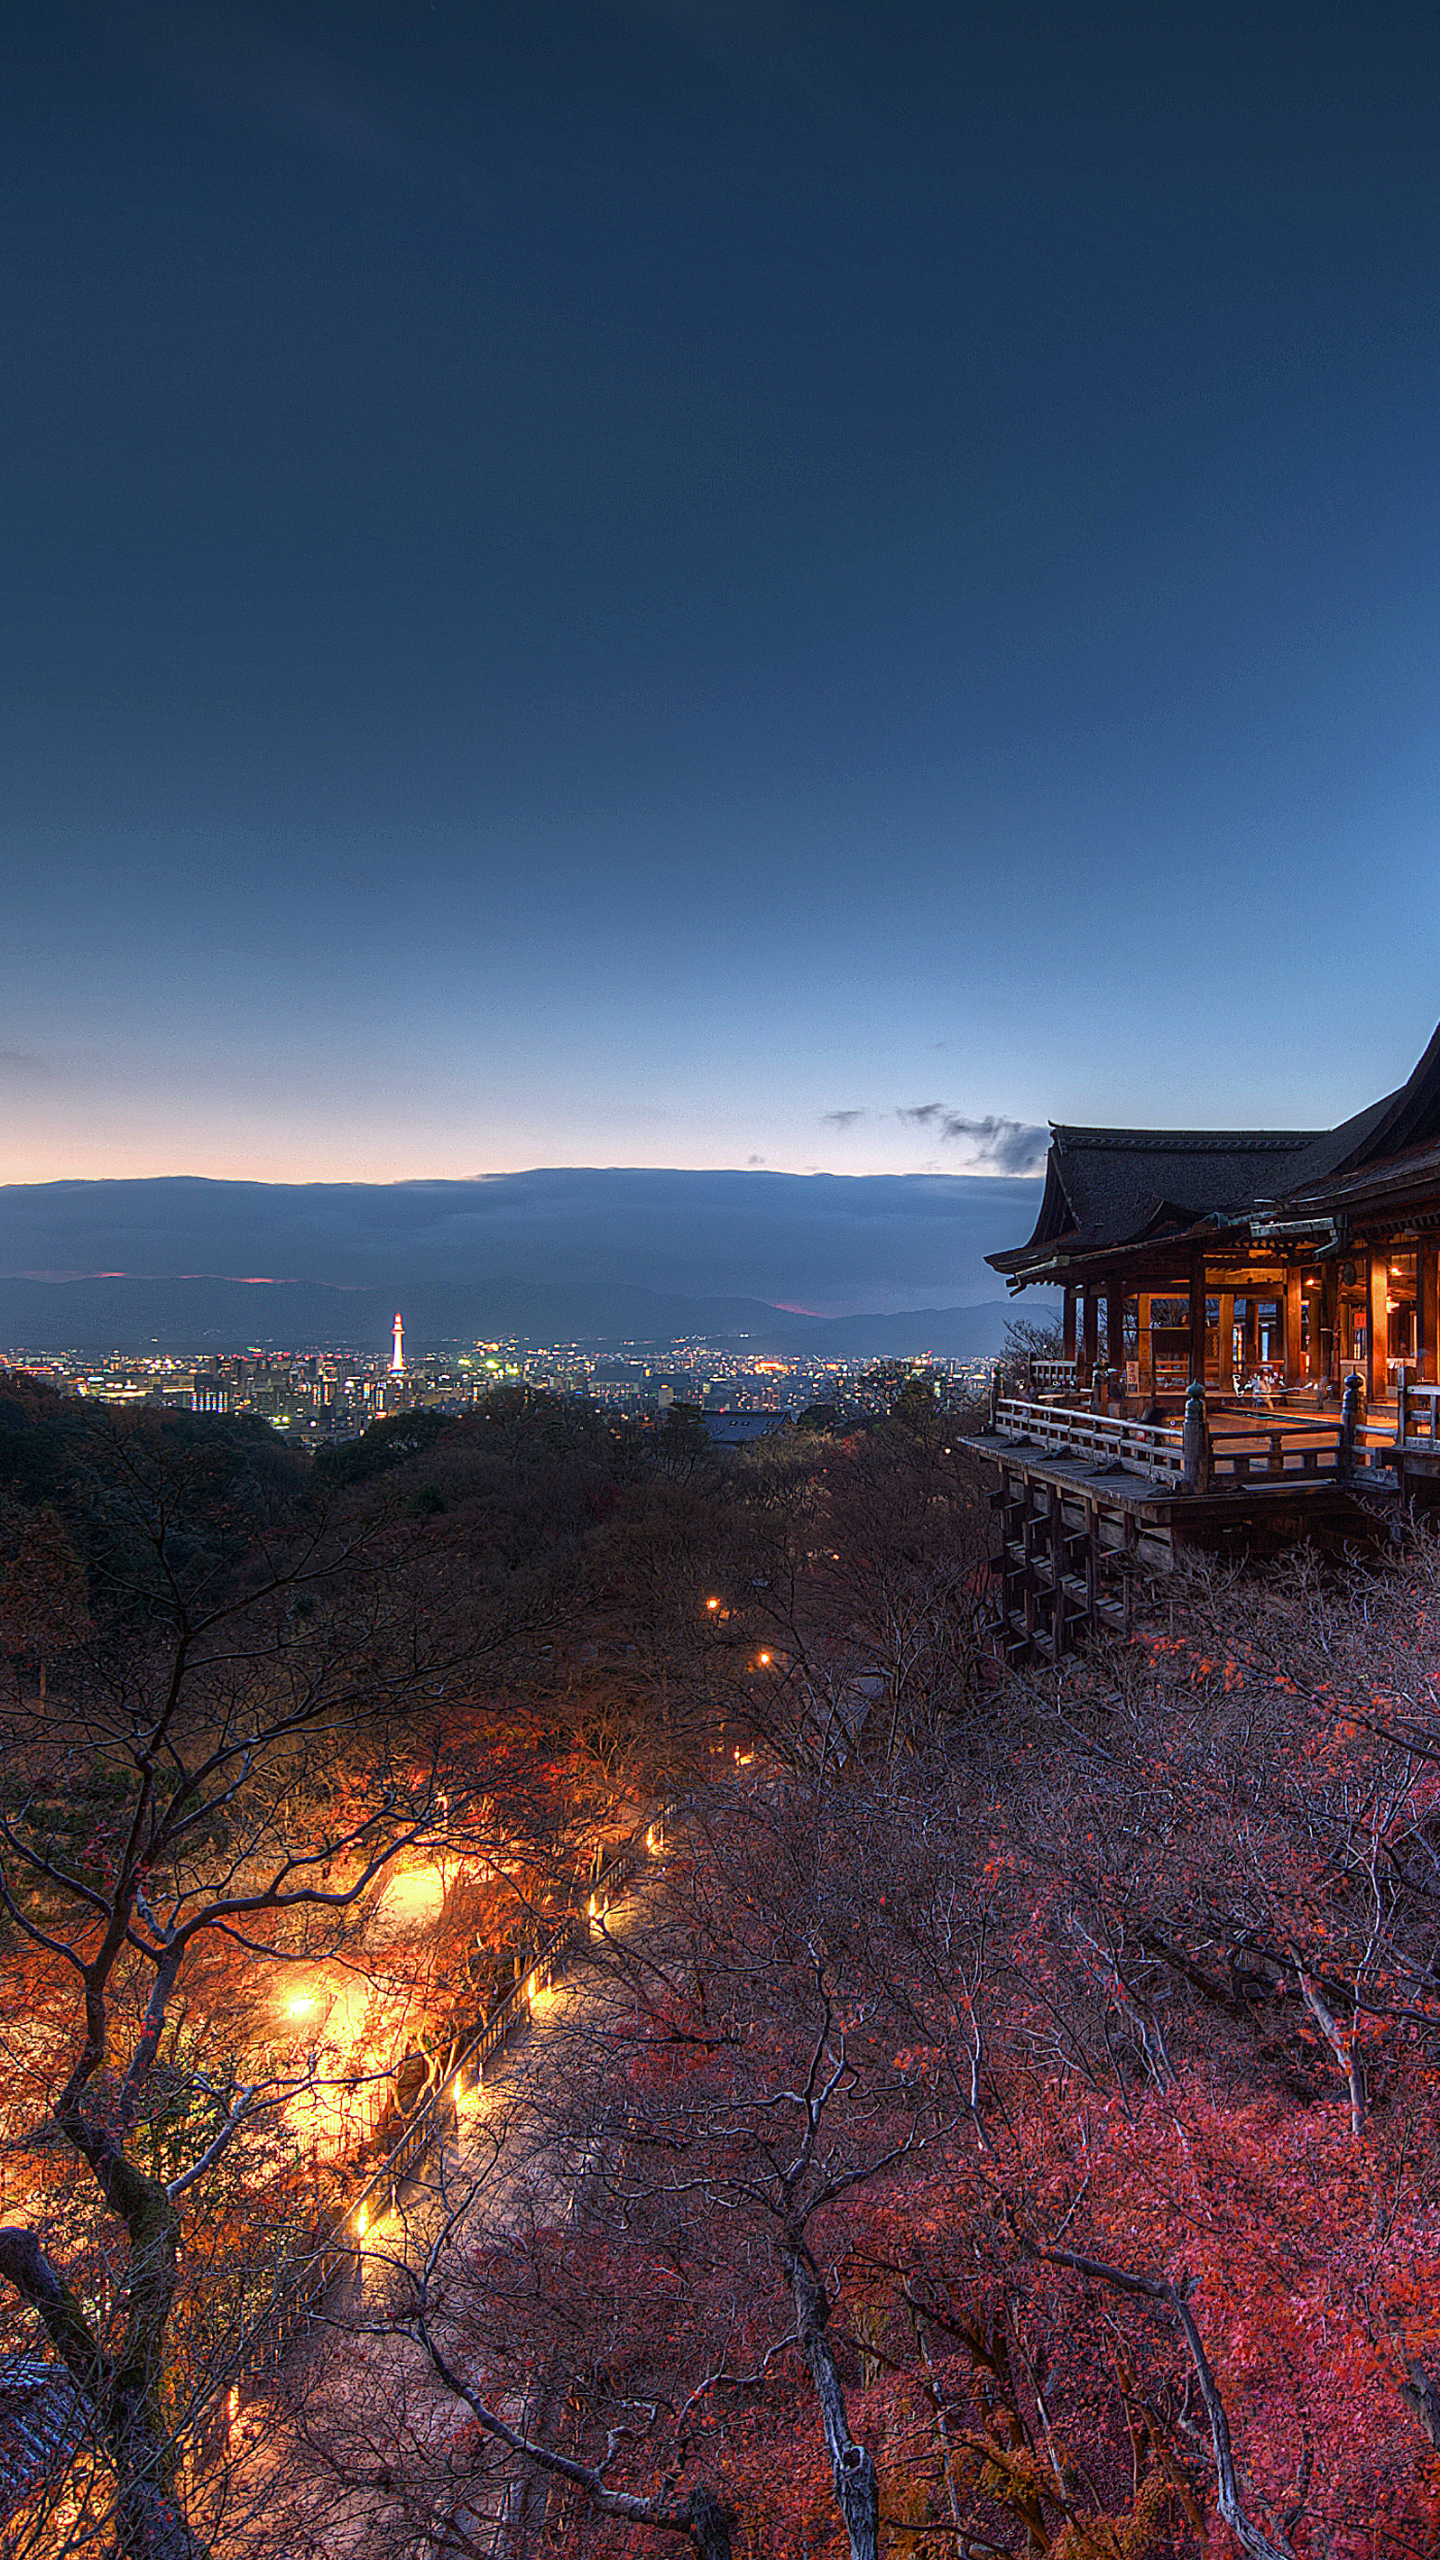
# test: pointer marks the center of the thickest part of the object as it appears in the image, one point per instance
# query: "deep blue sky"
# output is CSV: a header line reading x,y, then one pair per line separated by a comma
x,y
599,583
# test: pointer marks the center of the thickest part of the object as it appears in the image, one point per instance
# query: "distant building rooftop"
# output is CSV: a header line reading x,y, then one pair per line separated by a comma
x,y
42,2419
731,1426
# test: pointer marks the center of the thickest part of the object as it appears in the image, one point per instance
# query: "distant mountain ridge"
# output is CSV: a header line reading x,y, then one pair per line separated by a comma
x,y
590,1254
200,1315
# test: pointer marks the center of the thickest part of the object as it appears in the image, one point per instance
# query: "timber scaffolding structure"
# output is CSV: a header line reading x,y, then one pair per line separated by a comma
x,y
1088,1500
1251,1342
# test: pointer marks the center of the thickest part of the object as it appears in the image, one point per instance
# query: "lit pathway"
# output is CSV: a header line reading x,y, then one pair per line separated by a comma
x,y
358,2404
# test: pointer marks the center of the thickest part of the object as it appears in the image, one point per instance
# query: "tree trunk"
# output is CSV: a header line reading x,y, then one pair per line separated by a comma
x,y
122,2396
148,2524
710,2525
857,2489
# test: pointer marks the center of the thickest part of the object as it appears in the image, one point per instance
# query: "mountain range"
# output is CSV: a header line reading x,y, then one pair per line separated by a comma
x,y
198,1315
866,1265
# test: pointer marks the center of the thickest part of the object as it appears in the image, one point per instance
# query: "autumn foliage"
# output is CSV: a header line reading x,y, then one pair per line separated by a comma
x,y
1081,2063
1008,2125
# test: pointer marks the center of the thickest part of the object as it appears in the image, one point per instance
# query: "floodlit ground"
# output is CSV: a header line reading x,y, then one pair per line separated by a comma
x,y
357,2405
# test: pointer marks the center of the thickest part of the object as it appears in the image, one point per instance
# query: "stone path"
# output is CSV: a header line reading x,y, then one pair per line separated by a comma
x,y
318,2456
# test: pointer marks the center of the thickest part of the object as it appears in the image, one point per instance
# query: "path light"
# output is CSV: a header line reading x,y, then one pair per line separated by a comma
x,y
764,1657
712,1604
302,2007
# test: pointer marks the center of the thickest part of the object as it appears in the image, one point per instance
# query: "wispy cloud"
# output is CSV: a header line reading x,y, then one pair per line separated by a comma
x,y
23,1066
1010,1146
843,1119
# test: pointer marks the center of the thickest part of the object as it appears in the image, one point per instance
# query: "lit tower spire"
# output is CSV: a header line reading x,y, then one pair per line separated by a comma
x,y
397,1356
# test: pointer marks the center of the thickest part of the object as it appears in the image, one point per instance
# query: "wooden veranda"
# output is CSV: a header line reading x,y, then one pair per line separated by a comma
x,y
1280,1289
1089,1500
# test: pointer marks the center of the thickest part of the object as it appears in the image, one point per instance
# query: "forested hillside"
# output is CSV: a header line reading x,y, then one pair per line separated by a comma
x,y
1007,2124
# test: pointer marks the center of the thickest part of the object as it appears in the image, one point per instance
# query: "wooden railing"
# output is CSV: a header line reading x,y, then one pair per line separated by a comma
x,y
1236,1452
1043,1377
1150,1448
1417,1415
267,2338
1262,1451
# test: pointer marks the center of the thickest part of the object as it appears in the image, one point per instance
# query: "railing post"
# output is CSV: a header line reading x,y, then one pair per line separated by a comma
x,y
1402,1404
993,1424
1350,1407
1195,1449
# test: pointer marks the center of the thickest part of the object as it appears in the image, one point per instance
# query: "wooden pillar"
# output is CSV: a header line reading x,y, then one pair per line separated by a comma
x,y
1325,1324
1069,1324
1227,1343
1294,1364
1090,1337
1144,1351
1427,1309
1197,1319
1377,1374
1252,1332
1115,1332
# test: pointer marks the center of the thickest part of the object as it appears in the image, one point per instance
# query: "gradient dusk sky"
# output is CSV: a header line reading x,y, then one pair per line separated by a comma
x,y
698,583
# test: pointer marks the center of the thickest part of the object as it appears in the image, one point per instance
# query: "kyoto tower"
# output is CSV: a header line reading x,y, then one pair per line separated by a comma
x,y
397,1356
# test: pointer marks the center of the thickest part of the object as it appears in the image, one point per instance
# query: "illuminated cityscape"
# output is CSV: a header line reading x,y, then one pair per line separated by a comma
x,y
315,1398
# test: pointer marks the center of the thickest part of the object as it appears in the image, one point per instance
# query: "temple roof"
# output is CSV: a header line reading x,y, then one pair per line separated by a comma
x,y
42,2419
1406,1120
1106,1189
1118,1186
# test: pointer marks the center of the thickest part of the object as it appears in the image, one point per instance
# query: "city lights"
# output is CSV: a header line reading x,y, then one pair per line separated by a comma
x,y
321,1395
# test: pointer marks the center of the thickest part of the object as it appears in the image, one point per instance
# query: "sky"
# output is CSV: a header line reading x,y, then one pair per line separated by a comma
x,y
711,583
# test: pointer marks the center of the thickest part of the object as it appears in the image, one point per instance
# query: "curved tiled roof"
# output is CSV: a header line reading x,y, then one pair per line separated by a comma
x,y
42,2419
1113,1187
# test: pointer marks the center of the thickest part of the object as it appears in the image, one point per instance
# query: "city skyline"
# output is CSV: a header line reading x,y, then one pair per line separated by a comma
x,y
663,586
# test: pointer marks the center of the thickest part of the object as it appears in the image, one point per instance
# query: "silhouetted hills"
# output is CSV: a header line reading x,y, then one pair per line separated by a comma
x,y
592,1254
208,1315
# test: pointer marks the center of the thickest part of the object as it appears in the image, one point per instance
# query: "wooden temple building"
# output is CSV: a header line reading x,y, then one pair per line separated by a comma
x,y
1292,1255
1276,1286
